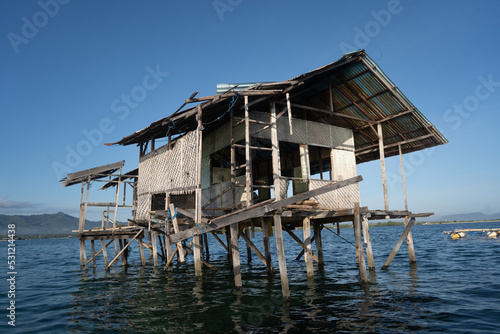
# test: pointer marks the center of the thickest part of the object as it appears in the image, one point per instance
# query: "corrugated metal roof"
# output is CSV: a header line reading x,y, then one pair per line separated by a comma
x,y
92,173
360,89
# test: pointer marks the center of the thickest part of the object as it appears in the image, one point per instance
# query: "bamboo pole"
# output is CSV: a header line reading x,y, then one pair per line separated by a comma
x,y
197,250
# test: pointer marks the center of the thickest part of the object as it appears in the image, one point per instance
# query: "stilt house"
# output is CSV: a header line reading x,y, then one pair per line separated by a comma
x,y
282,153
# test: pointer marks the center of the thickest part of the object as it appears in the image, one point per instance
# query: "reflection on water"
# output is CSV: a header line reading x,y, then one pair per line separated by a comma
x,y
454,287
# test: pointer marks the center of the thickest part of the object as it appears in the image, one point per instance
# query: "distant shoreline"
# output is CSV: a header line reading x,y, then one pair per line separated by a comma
x,y
464,222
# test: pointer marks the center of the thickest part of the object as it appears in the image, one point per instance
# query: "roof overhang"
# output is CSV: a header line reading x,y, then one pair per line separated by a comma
x,y
91,174
352,92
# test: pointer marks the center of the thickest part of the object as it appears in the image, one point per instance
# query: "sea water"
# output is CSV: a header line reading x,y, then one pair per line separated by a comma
x,y
454,287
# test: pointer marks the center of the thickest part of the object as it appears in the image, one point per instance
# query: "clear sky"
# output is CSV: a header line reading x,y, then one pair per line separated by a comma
x,y
79,72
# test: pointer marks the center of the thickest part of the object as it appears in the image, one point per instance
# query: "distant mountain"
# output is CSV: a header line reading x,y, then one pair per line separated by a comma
x,y
469,216
59,223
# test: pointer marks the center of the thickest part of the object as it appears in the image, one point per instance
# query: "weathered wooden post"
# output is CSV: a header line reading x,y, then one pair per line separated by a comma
x,y
154,247
197,251
409,237
319,243
359,244
93,253
277,194
235,250
307,243
368,242
382,164
267,248
249,249
104,252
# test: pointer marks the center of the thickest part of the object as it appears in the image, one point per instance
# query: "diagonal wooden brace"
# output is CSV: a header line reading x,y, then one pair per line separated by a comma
x,y
398,244
258,210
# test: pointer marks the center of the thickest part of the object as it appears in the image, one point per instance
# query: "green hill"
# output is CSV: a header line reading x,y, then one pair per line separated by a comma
x,y
45,224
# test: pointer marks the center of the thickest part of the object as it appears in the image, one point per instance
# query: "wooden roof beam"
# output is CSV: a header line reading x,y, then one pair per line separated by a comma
x,y
370,150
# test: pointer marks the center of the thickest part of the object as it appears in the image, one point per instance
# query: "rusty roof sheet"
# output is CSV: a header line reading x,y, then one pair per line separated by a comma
x,y
362,96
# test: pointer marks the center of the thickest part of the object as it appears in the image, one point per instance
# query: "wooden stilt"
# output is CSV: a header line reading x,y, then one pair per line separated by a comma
x,y
207,250
368,242
81,255
228,240
84,254
398,243
235,250
150,243
252,246
104,252
168,247
249,250
197,250
93,253
307,243
297,239
281,256
124,248
409,237
141,252
302,251
154,248
99,252
382,164
123,257
338,228
359,244
162,249
319,242
267,246
175,224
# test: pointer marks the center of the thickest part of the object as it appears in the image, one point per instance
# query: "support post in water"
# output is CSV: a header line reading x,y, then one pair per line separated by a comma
x,y
359,244
399,243
236,256
307,247
368,242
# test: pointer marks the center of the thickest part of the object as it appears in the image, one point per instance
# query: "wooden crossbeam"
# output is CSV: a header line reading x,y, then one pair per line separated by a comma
x,y
258,211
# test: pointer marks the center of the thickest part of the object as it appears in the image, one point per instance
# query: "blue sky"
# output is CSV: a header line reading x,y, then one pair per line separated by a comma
x,y
96,71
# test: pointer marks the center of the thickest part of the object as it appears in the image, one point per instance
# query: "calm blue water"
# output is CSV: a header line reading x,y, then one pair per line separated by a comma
x,y
455,287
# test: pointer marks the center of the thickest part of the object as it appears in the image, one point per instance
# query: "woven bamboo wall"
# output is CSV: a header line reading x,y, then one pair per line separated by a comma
x,y
167,170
